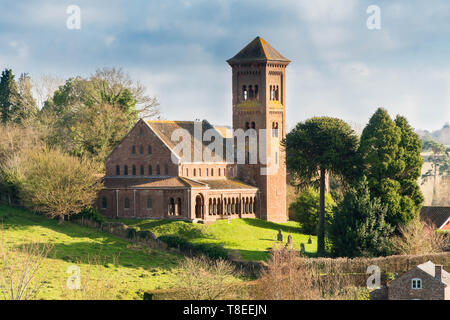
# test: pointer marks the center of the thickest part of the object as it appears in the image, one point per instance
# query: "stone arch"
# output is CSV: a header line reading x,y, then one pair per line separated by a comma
x,y
199,206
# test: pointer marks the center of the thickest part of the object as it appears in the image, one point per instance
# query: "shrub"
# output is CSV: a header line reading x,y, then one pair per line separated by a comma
x,y
418,237
91,214
359,227
57,184
306,210
212,251
201,278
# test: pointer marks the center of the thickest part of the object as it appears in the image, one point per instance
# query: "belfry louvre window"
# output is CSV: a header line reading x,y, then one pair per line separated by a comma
x,y
416,283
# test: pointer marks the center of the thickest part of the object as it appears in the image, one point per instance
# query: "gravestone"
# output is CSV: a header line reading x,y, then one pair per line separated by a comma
x,y
289,242
309,240
279,236
302,248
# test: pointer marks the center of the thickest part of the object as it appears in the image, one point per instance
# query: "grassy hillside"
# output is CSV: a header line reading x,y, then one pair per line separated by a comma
x,y
108,262
250,237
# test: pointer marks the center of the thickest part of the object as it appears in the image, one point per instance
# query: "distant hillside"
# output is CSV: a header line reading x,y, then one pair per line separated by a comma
x,y
442,135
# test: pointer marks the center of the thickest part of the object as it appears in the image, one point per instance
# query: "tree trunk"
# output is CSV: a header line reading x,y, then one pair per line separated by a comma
x,y
61,220
321,227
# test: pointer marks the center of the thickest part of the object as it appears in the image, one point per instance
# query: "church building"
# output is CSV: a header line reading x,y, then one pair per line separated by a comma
x,y
147,176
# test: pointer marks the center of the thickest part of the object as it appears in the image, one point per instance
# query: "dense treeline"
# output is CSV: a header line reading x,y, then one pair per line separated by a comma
x,y
375,181
50,154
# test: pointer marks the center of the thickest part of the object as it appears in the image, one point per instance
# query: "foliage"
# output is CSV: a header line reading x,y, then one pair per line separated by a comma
x,y
391,151
212,251
418,237
16,99
91,214
306,210
20,270
283,279
317,146
87,117
203,279
57,184
359,227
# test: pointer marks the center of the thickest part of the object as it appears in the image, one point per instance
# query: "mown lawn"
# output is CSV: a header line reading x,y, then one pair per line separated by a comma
x,y
250,237
109,262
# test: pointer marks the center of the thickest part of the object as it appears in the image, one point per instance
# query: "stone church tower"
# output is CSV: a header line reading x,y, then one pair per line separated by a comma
x,y
259,102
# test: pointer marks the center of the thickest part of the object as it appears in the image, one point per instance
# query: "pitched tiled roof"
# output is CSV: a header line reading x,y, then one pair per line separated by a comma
x,y
227,184
258,50
157,182
164,129
435,215
429,267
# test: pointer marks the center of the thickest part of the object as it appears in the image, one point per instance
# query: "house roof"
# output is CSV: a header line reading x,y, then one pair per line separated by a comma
x,y
258,50
437,216
429,267
195,130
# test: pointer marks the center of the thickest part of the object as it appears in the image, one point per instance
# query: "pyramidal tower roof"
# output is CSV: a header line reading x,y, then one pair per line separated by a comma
x,y
258,50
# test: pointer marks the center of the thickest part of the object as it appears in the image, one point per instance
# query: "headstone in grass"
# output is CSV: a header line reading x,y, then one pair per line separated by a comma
x,y
309,240
302,248
289,242
280,236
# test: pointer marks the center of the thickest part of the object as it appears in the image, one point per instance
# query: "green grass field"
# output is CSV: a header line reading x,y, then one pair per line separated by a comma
x,y
129,268
250,237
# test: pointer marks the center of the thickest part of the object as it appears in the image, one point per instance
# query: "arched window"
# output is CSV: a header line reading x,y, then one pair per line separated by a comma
x,y
244,93
166,170
180,208
158,170
212,172
133,149
256,91
253,125
254,205
210,208
150,170
218,171
206,172
195,172
142,170
272,93
104,203
277,93
127,203
250,92
149,203
247,125
134,170
117,170
171,206
187,172
149,150
125,170
199,172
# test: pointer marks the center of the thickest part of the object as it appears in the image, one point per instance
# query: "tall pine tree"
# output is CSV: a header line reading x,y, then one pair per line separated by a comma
x,y
9,96
391,151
